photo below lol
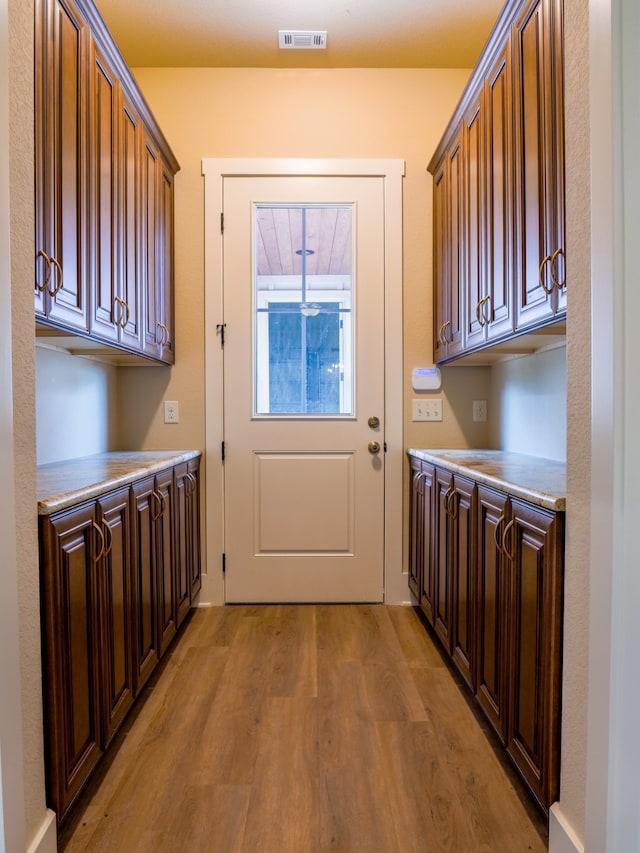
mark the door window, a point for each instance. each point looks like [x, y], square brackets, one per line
[303, 310]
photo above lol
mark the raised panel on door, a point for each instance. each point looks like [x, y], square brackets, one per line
[492, 684]
[151, 327]
[117, 640]
[462, 507]
[533, 541]
[440, 262]
[474, 277]
[165, 284]
[182, 544]
[556, 152]
[452, 334]
[145, 623]
[441, 545]
[72, 652]
[165, 564]
[427, 589]
[193, 528]
[497, 310]
[129, 264]
[43, 186]
[416, 526]
[536, 296]
[106, 312]
[64, 167]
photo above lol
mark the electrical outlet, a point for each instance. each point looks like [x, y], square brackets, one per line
[427, 410]
[479, 410]
[171, 412]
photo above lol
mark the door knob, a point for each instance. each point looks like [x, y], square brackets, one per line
[374, 447]
[374, 422]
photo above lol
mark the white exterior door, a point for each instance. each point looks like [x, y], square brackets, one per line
[304, 469]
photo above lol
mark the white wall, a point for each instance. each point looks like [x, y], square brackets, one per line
[528, 404]
[76, 406]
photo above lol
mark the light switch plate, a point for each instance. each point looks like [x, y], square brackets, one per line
[427, 409]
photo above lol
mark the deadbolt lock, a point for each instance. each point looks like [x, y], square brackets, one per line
[374, 422]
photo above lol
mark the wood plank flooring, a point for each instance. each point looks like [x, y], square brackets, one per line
[304, 729]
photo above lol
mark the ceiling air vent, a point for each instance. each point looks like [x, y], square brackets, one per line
[302, 39]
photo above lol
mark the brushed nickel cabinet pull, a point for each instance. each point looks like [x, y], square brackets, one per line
[58, 286]
[545, 261]
[505, 550]
[45, 284]
[101, 551]
[559, 253]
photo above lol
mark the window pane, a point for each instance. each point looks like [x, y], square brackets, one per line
[303, 338]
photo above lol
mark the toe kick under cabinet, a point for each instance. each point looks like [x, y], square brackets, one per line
[119, 567]
[486, 553]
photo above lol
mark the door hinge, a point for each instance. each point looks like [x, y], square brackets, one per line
[224, 562]
[220, 329]
[222, 451]
[221, 222]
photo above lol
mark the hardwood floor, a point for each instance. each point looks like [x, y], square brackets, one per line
[305, 729]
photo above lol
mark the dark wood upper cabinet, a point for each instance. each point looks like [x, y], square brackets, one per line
[498, 190]
[61, 169]
[97, 218]
[539, 165]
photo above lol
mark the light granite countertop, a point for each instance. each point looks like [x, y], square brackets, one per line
[62, 484]
[540, 481]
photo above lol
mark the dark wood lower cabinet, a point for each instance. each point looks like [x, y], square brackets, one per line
[109, 580]
[494, 566]
[70, 547]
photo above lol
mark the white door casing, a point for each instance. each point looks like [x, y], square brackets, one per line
[390, 172]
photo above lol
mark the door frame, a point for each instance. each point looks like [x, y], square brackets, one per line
[215, 170]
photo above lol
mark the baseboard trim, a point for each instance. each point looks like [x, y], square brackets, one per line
[562, 837]
[46, 839]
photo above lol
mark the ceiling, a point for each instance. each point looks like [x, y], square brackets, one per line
[244, 33]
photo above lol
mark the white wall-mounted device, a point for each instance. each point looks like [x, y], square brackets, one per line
[426, 378]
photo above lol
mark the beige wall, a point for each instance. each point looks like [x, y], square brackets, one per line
[576, 597]
[22, 253]
[298, 113]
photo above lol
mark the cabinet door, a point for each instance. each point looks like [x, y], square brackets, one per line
[441, 551]
[145, 506]
[165, 280]
[474, 279]
[129, 271]
[416, 526]
[491, 633]
[165, 561]
[193, 527]
[106, 312]
[116, 607]
[496, 311]
[448, 252]
[539, 147]
[533, 541]
[152, 333]
[427, 572]
[62, 75]
[70, 546]
[182, 546]
[462, 554]
[440, 262]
